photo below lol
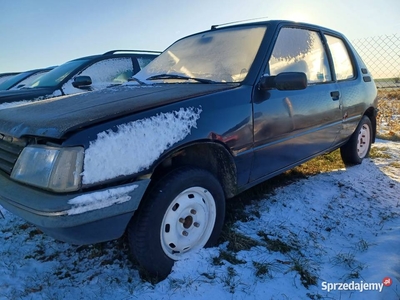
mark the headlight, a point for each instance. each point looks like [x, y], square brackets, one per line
[51, 168]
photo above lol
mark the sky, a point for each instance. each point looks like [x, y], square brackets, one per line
[44, 33]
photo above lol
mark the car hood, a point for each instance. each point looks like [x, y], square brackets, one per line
[55, 117]
[24, 94]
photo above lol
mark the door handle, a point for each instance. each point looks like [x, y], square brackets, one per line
[335, 95]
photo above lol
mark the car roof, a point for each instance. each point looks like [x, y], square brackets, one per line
[38, 70]
[119, 53]
[9, 74]
[274, 23]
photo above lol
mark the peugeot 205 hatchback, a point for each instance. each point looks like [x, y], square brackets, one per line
[216, 113]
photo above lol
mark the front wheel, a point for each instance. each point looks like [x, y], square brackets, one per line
[182, 213]
[358, 146]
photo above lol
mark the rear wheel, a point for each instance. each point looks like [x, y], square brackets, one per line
[358, 146]
[182, 213]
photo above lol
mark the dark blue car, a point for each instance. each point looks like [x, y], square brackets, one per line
[83, 74]
[215, 114]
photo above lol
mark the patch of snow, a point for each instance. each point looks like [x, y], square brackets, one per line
[14, 104]
[51, 97]
[136, 145]
[56, 93]
[98, 200]
[389, 165]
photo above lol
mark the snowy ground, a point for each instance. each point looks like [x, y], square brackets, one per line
[338, 227]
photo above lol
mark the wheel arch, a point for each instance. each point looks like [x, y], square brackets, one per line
[211, 156]
[371, 114]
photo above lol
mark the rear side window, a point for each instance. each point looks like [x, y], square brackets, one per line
[341, 58]
[300, 50]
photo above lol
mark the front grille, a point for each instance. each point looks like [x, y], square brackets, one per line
[9, 152]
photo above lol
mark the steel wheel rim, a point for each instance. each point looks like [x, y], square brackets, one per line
[363, 141]
[188, 222]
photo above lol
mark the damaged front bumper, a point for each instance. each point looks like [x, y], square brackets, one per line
[76, 218]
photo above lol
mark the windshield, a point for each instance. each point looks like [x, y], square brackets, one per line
[13, 80]
[222, 55]
[55, 76]
[28, 81]
[6, 77]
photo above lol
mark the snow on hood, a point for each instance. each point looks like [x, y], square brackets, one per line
[136, 145]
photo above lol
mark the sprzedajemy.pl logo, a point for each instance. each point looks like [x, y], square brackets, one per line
[356, 286]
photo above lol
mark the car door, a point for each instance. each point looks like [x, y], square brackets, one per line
[352, 92]
[291, 126]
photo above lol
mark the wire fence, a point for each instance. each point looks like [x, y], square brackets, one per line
[382, 57]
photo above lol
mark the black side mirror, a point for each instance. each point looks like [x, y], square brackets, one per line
[286, 81]
[82, 81]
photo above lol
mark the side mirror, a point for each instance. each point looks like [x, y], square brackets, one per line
[82, 81]
[286, 81]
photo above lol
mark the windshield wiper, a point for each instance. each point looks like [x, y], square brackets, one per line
[175, 76]
[137, 80]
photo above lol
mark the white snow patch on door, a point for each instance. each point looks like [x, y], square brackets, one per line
[136, 145]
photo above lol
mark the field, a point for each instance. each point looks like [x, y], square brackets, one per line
[389, 114]
[285, 239]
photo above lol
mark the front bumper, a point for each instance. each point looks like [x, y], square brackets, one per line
[78, 218]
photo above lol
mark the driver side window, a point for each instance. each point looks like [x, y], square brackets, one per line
[109, 71]
[103, 74]
[300, 50]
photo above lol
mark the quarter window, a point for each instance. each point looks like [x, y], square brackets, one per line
[341, 58]
[300, 50]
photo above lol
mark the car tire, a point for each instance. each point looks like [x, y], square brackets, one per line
[183, 212]
[358, 146]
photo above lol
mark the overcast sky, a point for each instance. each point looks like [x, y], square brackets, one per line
[41, 33]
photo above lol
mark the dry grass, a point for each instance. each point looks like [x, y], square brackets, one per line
[379, 153]
[395, 164]
[389, 114]
[321, 164]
